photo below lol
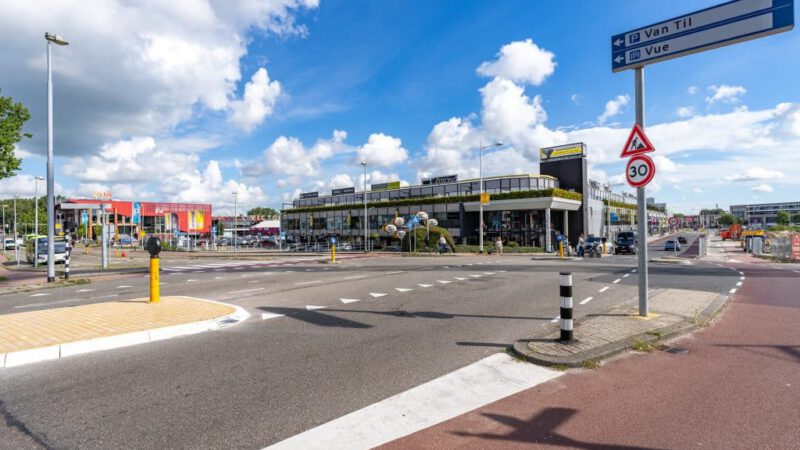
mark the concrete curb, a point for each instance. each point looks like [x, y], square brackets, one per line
[521, 349]
[14, 359]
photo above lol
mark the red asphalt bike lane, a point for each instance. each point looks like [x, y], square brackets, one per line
[737, 388]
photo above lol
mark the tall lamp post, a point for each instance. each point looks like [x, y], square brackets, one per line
[51, 202]
[4, 229]
[16, 246]
[36, 221]
[366, 218]
[235, 220]
[481, 148]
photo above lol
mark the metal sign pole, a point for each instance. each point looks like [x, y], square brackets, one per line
[641, 202]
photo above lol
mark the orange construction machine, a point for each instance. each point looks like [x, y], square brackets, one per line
[733, 232]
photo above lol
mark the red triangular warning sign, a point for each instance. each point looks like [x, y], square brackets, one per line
[637, 143]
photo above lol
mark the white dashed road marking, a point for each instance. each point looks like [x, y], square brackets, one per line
[475, 276]
[738, 284]
[395, 272]
[355, 277]
[39, 295]
[460, 279]
[733, 291]
[246, 290]
[605, 288]
[303, 283]
[348, 300]
[378, 294]
[616, 281]
[633, 271]
[313, 307]
[88, 290]
[265, 316]
[556, 319]
[587, 300]
[488, 273]
[124, 287]
[190, 281]
[424, 285]
[626, 275]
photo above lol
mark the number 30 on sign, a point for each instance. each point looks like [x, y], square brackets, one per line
[640, 170]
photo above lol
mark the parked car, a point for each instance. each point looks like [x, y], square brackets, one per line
[682, 240]
[9, 243]
[672, 245]
[344, 246]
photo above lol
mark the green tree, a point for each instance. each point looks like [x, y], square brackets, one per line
[12, 117]
[782, 218]
[796, 218]
[726, 219]
[268, 213]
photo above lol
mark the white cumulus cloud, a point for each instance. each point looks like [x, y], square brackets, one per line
[521, 62]
[685, 111]
[762, 188]
[258, 101]
[755, 174]
[613, 107]
[382, 150]
[725, 93]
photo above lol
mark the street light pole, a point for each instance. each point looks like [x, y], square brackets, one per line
[4, 229]
[51, 202]
[235, 220]
[36, 221]
[16, 246]
[481, 148]
[366, 217]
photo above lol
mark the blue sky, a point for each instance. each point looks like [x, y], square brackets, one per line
[193, 100]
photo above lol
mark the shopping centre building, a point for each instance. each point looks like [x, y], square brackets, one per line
[527, 209]
[134, 218]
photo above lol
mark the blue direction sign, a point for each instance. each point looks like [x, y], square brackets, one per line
[709, 28]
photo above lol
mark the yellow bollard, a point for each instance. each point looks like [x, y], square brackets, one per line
[604, 248]
[333, 254]
[154, 291]
[561, 248]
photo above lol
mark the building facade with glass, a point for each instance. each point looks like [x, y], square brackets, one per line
[526, 209]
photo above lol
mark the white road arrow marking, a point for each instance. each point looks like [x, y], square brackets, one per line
[424, 285]
[313, 307]
[443, 281]
[403, 289]
[377, 294]
[348, 300]
[265, 316]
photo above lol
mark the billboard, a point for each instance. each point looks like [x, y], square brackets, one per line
[561, 152]
[309, 195]
[385, 186]
[440, 180]
[136, 216]
[342, 191]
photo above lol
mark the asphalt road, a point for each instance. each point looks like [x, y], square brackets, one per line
[737, 387]
[269, 378]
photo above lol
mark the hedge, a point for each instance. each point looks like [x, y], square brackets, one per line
[623, 205]
[553, 192]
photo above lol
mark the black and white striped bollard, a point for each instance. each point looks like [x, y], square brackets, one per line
[66, 262]
[565, 279]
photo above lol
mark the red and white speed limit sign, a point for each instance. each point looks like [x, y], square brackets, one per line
[674, 221]
[640, 170]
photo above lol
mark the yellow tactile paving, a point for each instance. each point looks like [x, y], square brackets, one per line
[27, 330]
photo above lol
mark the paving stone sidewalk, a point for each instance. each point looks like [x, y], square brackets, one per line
[672, 312]
[53, 333]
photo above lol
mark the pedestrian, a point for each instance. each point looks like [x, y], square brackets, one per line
[581, 246]
[442, 244]
[499, 245]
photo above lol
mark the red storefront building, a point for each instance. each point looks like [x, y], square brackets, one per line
[132, 218]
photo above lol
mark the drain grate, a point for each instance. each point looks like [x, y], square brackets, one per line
[676, 350]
